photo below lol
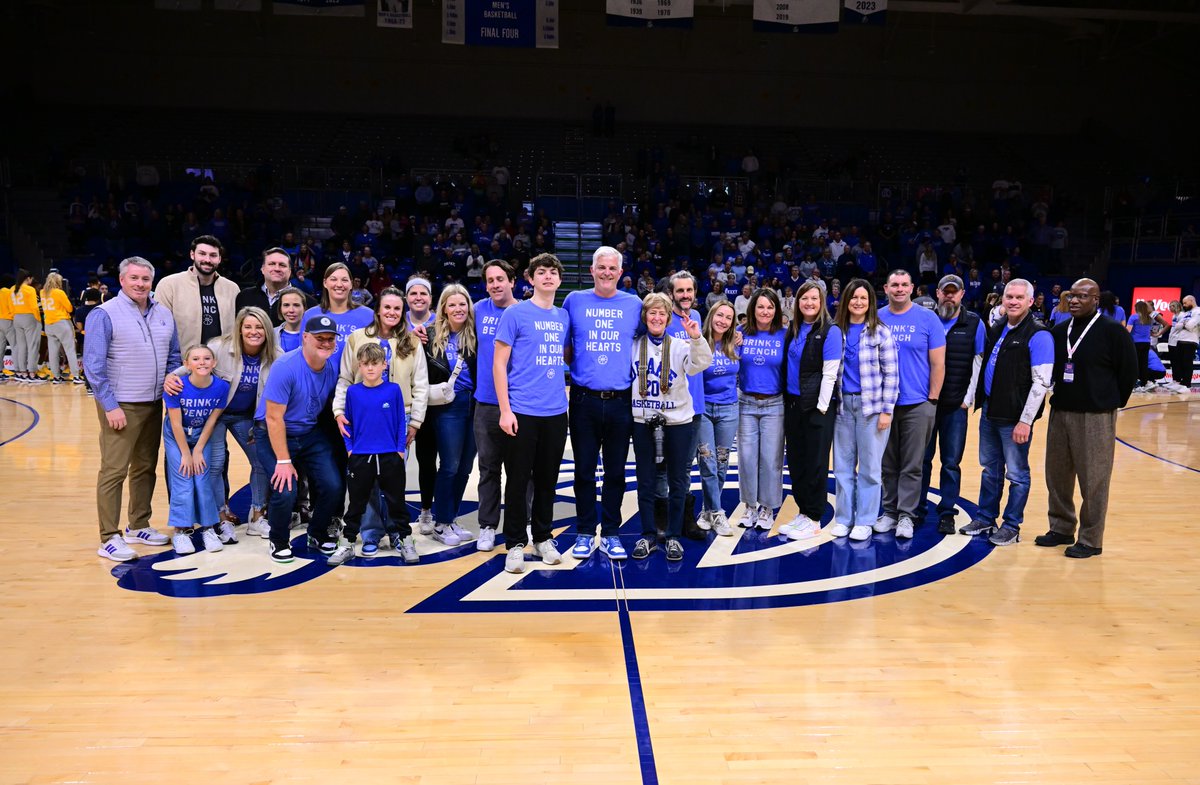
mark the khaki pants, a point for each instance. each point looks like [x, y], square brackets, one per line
[1080, 445]
[130, 452]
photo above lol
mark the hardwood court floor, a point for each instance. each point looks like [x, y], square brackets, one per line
[1021, 667]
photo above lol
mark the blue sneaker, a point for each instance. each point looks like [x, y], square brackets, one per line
[583, 546]
[613, 549]
[370, 549]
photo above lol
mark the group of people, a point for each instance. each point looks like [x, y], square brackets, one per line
[327, 399]
[26, 312]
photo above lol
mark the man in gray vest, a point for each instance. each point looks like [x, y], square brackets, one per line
[131, 345]
[964, 357]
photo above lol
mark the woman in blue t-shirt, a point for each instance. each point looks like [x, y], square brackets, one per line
[719, 420]
[1142, 326]
[870, 386]
[348, 316]
[192, 413]
[760, 411]
[243, 358]
[814, 358]
[450, 355]
[290, 307]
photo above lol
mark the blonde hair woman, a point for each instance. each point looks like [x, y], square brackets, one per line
[60, 330]
[451, 356]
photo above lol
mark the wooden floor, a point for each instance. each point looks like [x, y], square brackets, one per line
[1025, 667]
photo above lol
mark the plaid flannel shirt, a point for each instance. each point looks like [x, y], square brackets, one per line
[878, 371]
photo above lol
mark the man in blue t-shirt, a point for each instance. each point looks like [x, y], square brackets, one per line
[1018, 368]
[921, 344]
[287, 435]
[600, 346]
[528, 368]
[498, 277]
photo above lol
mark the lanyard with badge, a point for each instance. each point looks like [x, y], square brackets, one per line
[1069, 369]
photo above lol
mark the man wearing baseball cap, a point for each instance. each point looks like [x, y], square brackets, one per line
[288, 438]
[964, 357]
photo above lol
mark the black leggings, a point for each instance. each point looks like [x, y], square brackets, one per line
[1143, 355]
[427, 460]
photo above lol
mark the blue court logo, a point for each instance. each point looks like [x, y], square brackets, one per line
[752, 569]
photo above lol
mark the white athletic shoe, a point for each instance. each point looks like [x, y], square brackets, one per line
[860, 533]
[116, 549]
[765, 519]
[487, 539]
[515, 560]
[548, 550]
[800, 528]
[836, 529]
[720, 524]
[425, 522]
[704, 520]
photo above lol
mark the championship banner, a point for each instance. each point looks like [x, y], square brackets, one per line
[796, 16]
[864, 12]
[394, 13]
[512, 23]
[650, 13]
[320, 7]
[237, 5]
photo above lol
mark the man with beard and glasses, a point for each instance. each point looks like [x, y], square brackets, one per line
[202, 303]
[964, 357]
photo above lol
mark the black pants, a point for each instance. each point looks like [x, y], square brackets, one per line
[1143, 355]
[809, 436]
[362, 472]
[426, 442]
[533, 455]
[1183, 360]
[337, 446]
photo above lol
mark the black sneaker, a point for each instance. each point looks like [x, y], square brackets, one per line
[946, 525]
[644, 548]
[1081, 551]
[281, 553]
[1052, 539]
[674, 549]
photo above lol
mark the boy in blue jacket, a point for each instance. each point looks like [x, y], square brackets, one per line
[375, 436]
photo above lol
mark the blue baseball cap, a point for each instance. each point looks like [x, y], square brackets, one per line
[320, 324]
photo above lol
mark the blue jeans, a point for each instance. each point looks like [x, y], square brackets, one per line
[950, 439]
[191, 499]
[456, 455]
[760, 450]
[600, 430]
[678, 451]
[718, 426]
[858, 446]
[241, 426]
[996, 444]
[311, 454]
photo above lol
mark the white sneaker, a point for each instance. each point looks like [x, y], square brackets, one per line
[720, 524]
[836, 529]
[116, 549]
[765, 519]
[549, 553]
[515, 560]
[885, 523]
[860, 533]
[258, 527]
[800, 528]
[487, 540]
[704, 520]
[445, 535]
[462, 534]
[145, 536]
[343, 554]
[749, 517]
[226, 533]
[904, 529]
[425, 522]
[212, 540]
[182, 542]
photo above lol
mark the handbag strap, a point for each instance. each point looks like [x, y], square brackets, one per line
[458, 364]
